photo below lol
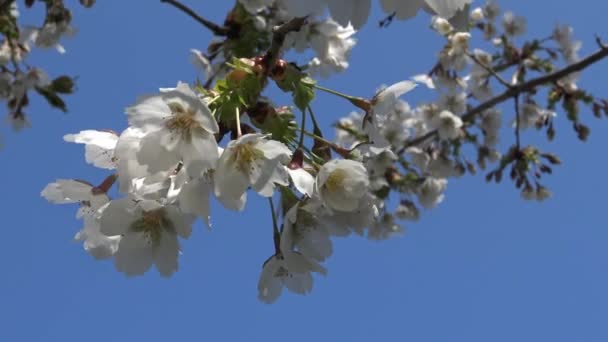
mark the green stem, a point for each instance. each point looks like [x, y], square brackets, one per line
[275, 228]
[333, 92]
[238, 123]
[303, 126]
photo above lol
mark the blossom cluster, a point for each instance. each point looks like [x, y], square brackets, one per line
[224, 139]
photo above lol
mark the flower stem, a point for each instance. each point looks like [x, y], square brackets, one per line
[334, 92]
[275, 228]
[302, 127]
[239, 133]
[358, 102]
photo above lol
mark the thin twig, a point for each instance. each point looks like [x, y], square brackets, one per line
[211, 26]
[490, 70]
[517, 122]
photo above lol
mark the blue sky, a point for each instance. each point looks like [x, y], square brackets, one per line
[483, 266]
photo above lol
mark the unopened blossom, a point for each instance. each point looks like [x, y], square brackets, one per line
[341, 184]
[253, 161]
[430, 192]
[477, 14]
[99, 147]
[441, 25]
[149, 233]
[178, 127]
[513, 25]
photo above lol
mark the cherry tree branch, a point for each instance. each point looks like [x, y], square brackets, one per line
[279, 33]
[211, 26]
[516, 90]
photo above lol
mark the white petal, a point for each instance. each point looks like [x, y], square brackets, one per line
[230, 184]
[182, 223]
[269, 287]
[194, 198]
[148, 112]
[134, 255]
[117, 217]
[200, 153]
[166, 254]
[303, 181]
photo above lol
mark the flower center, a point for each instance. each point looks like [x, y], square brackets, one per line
[151, 224]
[335, 180]
[245, 155]
[182, 120]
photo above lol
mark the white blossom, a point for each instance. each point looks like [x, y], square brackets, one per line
[251, 160]
[149, 233]
[448, 125]
[333, 44]
[287, 269]
[178, 127]
[477, 14]
[341, 184]
[306, 233]
[430, 192]
[441, 25]
[65, 191]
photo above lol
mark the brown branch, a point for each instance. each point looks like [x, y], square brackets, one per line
[211, 26]
[279, 33]
[518, 89]
[533, 83]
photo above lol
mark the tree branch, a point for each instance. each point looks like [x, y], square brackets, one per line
[211, 26]
[533, 83]
[278, 38]
[518, 89]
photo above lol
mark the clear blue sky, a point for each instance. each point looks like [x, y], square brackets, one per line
[484, 266]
